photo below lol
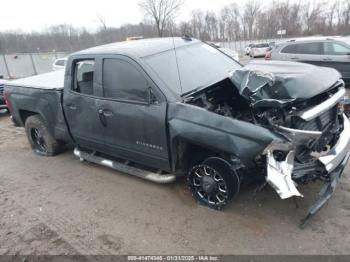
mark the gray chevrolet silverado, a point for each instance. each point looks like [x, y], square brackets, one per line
[162, 108]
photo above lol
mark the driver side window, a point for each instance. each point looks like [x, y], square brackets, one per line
[123, 81]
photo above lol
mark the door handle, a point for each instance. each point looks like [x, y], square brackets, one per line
[105, 112]
[295, 58]
[102, 117]
[71, 106]
[327, 59]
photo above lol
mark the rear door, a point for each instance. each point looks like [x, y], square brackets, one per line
[337, 55]
[80, 103]
[134, 113]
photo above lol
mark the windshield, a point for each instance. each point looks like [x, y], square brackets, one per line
[191, 67]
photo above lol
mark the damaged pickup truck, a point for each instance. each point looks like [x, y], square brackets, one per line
[162, 108]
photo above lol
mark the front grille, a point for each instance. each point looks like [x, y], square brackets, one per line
[329, 123]
[319, 123]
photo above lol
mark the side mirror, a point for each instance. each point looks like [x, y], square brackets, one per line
[1, 77]
[152, 99]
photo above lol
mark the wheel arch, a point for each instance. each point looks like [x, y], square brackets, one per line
[24, 114]
[186, 153]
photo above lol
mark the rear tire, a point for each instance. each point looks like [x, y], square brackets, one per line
[39, 137]
[213, 183]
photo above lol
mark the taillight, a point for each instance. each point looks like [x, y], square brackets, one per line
[6, 100]
[268, 55]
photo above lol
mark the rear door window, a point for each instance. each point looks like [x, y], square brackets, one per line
[290, 49]
[61, 62]
[84, 76]
[314, 48]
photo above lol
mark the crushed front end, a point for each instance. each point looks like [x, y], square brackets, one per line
[318, 149]
[316, 130]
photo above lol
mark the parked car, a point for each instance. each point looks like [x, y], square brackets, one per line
[259, 50]
[2, 100]
[230, 53]
[329, 52]
[59, 64]
[202, 116]
[248, 48]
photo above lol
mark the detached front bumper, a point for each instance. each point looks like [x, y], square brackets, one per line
[279, 173]
[336, 155]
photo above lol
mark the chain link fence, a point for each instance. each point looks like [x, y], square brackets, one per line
[20, 65]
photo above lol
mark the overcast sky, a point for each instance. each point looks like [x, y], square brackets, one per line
[29, 15]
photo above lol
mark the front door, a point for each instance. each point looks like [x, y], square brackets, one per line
[337, 56]
[133, 113]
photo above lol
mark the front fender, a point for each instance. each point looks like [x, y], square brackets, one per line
[220, 133]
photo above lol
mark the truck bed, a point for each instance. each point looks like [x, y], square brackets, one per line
[52, 80]
[41, 94]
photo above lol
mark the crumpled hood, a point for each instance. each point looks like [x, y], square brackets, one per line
[275, 83]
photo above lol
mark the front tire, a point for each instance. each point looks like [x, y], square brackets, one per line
[40, 139]
[213, 183]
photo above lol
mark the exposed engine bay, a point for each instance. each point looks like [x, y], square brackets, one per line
[224, 99]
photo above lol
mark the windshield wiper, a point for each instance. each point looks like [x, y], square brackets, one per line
[191, 91]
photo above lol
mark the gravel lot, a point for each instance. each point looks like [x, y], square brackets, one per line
[59, 205]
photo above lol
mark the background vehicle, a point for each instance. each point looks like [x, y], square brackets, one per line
[259, 50]
[2, 100]
[59, 64]
[248, 48]
[329, 52]
[230, 52]
[196, 117]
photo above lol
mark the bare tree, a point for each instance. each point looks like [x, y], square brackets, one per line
[161, 11]
[102, 21]
[230, 26]
[344, 17]
[251, 11]
[197, 22]
[313, 15]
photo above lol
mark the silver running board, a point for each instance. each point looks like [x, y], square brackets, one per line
[154, 177]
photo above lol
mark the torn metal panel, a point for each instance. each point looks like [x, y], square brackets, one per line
[279, 175]
[275, 83]
[298, 136]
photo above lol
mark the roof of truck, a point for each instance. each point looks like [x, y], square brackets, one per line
[140, 48]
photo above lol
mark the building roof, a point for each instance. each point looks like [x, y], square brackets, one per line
[140, 48]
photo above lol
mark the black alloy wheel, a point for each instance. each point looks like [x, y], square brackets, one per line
[38, 139]
[212, 185]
